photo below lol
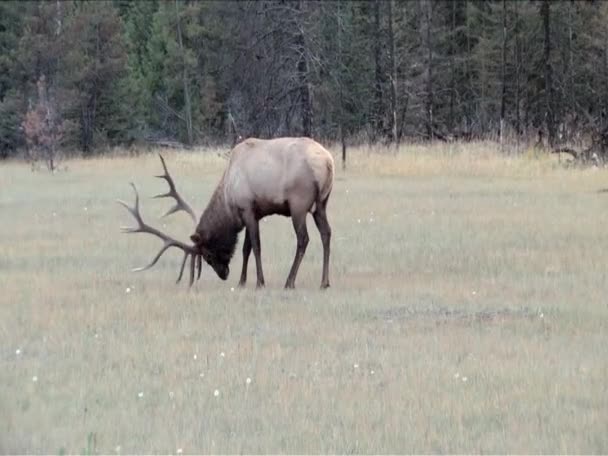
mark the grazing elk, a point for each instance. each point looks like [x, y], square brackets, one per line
[286, 176]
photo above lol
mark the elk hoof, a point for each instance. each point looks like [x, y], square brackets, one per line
[324, 286]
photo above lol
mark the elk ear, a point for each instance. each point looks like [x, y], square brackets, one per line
[196, 238]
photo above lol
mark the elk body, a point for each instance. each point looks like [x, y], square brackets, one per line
[284, 176]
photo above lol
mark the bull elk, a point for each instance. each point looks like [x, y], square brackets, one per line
[285, 176]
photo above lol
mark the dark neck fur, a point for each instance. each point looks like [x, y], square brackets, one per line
[218, 227]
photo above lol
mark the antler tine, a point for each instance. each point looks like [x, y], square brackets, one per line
[153, 262]
[180, 204]
[199, 265]
[134, 212]
[142, 227]
[192, 264]
[181, 269]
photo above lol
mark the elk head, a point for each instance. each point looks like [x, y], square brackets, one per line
[194, 252]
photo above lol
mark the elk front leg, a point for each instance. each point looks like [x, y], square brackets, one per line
[253, 230]
[299, 225]
[246, 253]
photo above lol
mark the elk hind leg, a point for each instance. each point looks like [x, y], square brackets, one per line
[320, 217]
[299, 225]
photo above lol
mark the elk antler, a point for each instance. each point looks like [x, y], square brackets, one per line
[142, 227]
[180, 204]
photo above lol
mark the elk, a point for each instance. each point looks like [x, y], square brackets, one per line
[284, 176]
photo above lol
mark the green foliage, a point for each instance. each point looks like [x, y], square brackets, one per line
[11, 14]
[94, 66]
[11, 112]
[119, 71]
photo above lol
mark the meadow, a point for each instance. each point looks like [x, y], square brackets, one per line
[468, 313]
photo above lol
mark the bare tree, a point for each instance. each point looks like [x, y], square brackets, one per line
[43, 128]
[393, 72]
[378, 79]
[303, 72]
[187, 102]
[503, 95]
[545, 12]
[427, 20]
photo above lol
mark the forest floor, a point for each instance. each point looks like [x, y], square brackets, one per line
[468, 313]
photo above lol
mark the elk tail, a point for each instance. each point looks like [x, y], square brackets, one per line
[325, 191]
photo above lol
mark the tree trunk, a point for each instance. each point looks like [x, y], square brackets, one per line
[452, 69]
[503, 97]
[303, 74]
[571, 105]
[470, 94]
[187, 102]
[428, 19]
[545, 12]
[377, 113]
[341, 86]
[517, 74]
[393, 74]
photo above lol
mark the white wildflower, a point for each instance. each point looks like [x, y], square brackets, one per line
[248, 381]
[456, 375]
[128, 290]
[223, 355]
[356, 366]
[195, 356]
[179, 451]
[464, 379]
[216, 393]
[34, 378]
[140, 394]
[18, 351]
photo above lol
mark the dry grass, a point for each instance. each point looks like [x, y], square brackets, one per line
[467, 314]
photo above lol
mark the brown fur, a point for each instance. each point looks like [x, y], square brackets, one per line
[286, 176]
[219, 229]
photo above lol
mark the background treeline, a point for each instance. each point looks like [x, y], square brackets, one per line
[87, 75]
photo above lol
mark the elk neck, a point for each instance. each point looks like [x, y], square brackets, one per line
[218, 226]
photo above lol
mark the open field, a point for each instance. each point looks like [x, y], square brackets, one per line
[468, 313]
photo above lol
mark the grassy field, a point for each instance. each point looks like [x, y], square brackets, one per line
[468, 313]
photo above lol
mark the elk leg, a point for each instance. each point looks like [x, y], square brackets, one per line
[246, 253]
[253, 229]
[320, 217]
[299, 225]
